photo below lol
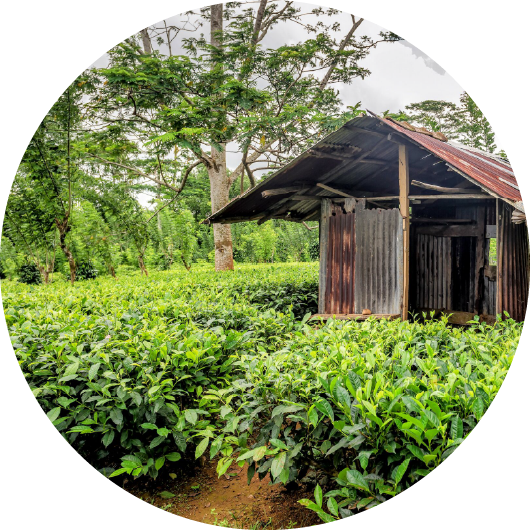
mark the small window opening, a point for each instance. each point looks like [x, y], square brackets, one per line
[492, 254]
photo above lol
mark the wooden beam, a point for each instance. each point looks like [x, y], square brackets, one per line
[354, 316]
[275, 210]
[434, 197]
[480, 257]
[284, 191]
[308, 197]
[323, 235]
[419, 184]
[442, 220]
[404, 208]
[458, 230]
[334, 190]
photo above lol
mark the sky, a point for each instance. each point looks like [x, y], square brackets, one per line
[400, 73]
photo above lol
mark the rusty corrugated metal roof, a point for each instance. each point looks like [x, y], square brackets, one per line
[488, 172]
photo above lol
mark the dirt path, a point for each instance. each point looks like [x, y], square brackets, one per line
[228, 501]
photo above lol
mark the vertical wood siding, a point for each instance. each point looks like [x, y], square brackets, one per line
[512, 268]
[340, 272]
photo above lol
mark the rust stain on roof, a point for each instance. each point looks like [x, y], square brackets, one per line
[486, 171]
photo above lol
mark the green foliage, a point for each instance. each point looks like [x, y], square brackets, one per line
[86, 271]
[375, 405]
[29, 273]
[464, 122]
[121, 370]
[141, 374]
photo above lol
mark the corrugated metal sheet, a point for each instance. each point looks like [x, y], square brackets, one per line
[378, 260]
[377, 173]
[512, 265]
[491, 174]
[340, 272]
[433, 272]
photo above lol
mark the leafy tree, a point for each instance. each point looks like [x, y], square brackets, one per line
[184, 110]
[29, 224]
[464, 122]
[474, 129]
[441, 116]
[50, 166]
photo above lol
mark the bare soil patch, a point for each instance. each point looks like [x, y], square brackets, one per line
[228, 501]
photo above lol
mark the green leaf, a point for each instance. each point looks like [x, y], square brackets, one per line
[54, 413]
[285, 409]
[223, 465]
[326, 409]
[166, 495]
[478, 407]
[71, 369]
[278, 464]
[199, 450]
[313, 416]
[118, 472]
[116, 416]
[108, 437]
[333, 507]
[216, 446]
[256, 453]
[159, 462]
[173, 457]
[457, 428]
[191, 416]
[343, 397]
[356, 479]
[401, 470]
[318, 496]
[93, 371]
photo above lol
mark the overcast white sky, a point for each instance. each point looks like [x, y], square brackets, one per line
[401, 73]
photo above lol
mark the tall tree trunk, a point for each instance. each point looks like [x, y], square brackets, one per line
[219, 187]
[143, 268]
[64, 228]
[219, 184]
[68, 254]
[146, 41]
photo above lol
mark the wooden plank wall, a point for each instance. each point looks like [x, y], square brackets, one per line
[340, 273]
[512, 264]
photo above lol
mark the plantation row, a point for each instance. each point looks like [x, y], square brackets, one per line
[143, 372]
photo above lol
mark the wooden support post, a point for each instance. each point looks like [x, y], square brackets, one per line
[500, 269]
[404, 209]
[325, 214]
[480, 258]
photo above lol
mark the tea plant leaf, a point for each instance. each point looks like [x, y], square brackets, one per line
[401, 470]
[326, 409]
[278, 464]
[318, 496]
[457, 428]
[199, 450]
[166, 495]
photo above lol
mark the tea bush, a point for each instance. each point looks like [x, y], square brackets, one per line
[375, 406]
[145, 371]
[120, 367]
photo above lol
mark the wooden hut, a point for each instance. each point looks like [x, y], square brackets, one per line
[409, 222]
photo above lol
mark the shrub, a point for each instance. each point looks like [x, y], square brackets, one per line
[375, 406]
[121, 370]
[85, 271]
[29, 274]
